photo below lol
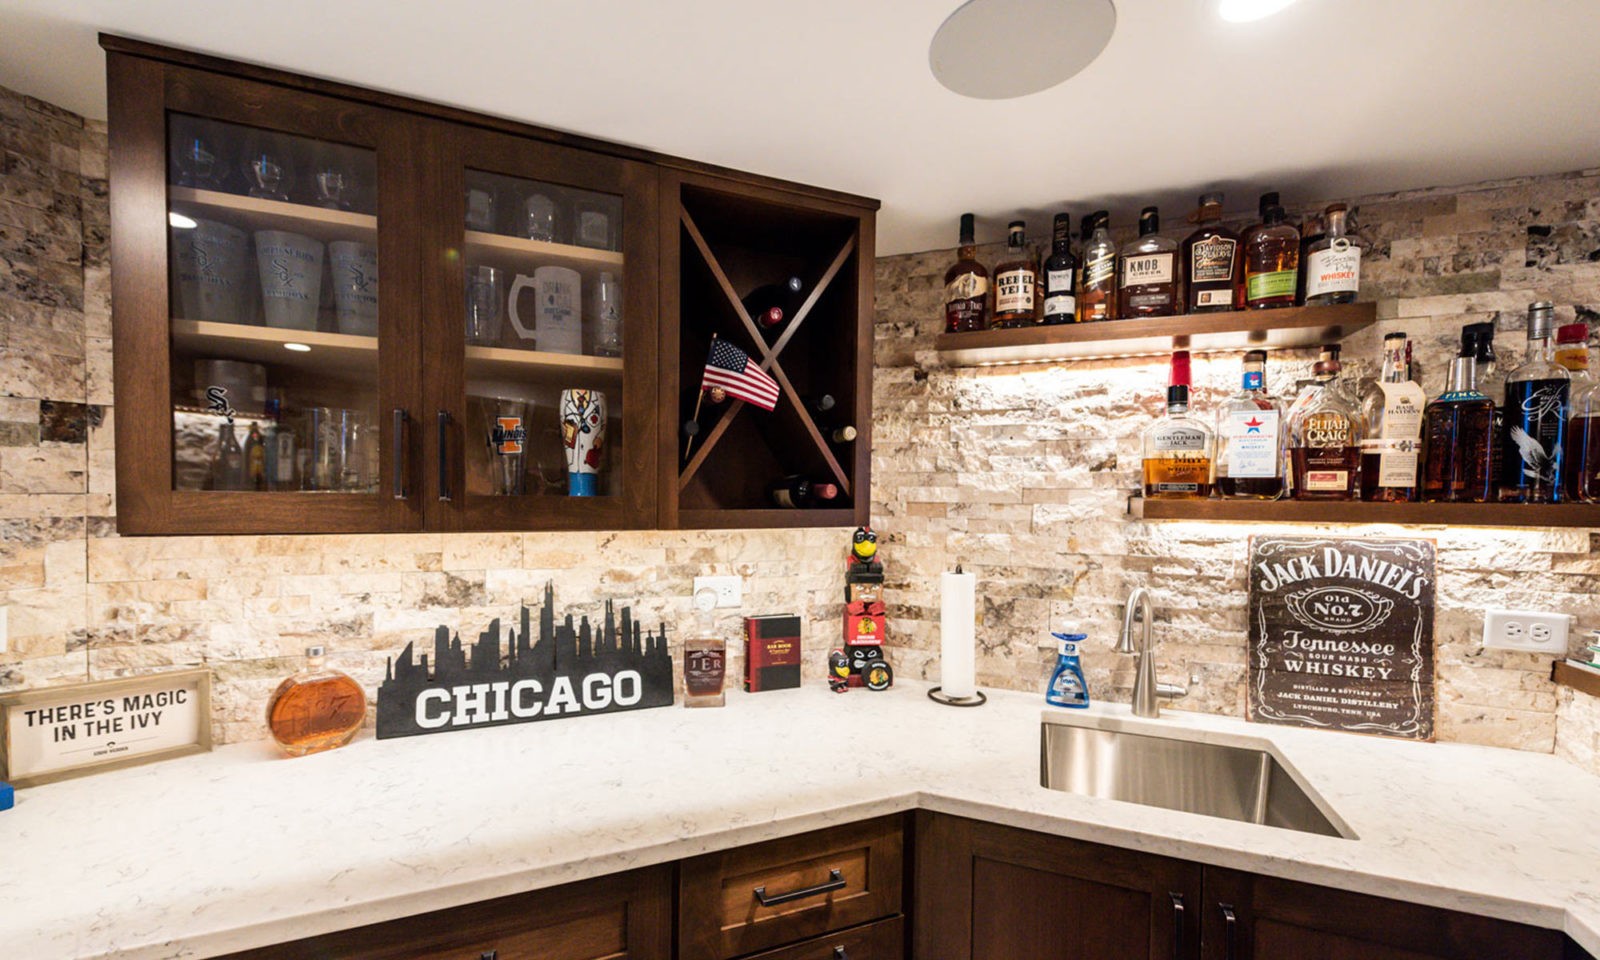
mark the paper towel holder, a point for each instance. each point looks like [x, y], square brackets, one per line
[937, 695]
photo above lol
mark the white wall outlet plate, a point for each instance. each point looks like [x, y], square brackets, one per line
[1530, 631]
[729, 590]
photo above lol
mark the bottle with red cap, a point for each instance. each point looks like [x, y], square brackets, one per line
[1178, 448]
[1580, 469]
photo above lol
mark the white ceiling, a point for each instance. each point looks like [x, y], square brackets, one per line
[1329, 98]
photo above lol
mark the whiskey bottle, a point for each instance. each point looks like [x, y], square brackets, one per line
[1266, 202]
[1312, 229]
[1393, 407]
[317, 709]
[1250, 438]
[1150, 284]
[1097, 294]
[1014, 281]
[1085, 229]
[227, 464]
[255, 458]
[966, 285]
[1060, 302]
[1212, 260]
[1457, 437]
[1271, 263]
[1580, 468]
[1325, 441]
[1333, 263]
[1489, 381]
[1537, 392]
[1178, 447]
[705, 656]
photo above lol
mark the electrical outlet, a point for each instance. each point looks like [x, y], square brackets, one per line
[1529, 631]
[729, 590]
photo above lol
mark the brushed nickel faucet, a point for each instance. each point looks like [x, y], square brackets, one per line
[1146, 689]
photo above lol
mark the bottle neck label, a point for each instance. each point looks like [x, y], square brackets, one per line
[1255, 380]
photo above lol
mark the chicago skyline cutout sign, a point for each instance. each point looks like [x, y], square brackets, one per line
[1341, 634]
[567, 671]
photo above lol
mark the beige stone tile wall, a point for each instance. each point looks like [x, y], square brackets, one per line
[1022, 474]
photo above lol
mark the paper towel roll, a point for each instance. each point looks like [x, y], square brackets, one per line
[957, 634]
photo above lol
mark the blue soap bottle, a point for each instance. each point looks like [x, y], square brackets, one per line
[1067, 687]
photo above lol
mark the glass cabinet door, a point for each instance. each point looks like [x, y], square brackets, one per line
[287, 380]
[548, 419]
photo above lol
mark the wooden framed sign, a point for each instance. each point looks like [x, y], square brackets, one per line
[58, 732]
[1341, 634]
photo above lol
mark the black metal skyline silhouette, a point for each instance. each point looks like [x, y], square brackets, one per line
[561, 651]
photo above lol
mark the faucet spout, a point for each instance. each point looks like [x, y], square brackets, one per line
[1145, 702]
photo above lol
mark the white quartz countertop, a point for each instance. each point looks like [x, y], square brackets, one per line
[239, 848]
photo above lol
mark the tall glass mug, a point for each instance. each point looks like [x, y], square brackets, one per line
[583, 434]
[541, 218]
[480, 210]
[355, 286]
[291, 278]
[486, 301]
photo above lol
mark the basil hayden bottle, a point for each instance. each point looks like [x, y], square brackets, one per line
[1535, 417]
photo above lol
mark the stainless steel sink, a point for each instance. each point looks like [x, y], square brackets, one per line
[1217, 780]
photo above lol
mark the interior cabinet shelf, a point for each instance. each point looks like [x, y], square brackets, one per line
[1285, 328]
[252, 213]
[491, 362]
[485, 246]
[1310, 511]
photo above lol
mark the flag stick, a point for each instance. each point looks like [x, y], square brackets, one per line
[699, 399]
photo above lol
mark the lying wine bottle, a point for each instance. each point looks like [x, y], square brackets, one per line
[820, 403]
[799, 493]
[843, 434]
[772, 303]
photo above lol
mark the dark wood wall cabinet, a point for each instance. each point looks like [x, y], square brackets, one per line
[337, 310]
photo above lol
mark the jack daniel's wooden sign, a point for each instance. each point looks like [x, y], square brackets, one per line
[1341, 634]
[568, 671]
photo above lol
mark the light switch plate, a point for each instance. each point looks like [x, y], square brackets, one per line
[729, 589]
[1530, 631]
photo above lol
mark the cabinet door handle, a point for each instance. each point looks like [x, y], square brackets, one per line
[1230, 931]
[835, 881]
[444, 455]
[839, 954]
[401, 448]
[1177, 924]
[489, 955]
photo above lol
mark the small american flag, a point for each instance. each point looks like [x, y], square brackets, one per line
[732, 369]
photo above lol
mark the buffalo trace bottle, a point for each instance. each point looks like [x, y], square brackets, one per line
[1150, 284]
[1325, 441]
[1178, 447]
[1393, 407]
[966, 285]
[1016, 281]
[1458, 437]
[1580, 467]
[1250, 438]
[1097, 292]
[1271, 263]
[1058, 275]
[1536, 417]
[317, 709]
[1212, 260]
[705, 656]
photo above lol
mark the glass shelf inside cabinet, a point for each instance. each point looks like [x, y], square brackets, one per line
[543, 331]
[274, 302]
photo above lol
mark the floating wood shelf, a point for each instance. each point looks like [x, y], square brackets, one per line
[251, 213]
[1576, 677]
[1311, 511]
[1285, 328]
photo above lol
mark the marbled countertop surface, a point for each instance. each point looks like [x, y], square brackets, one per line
[218, 852]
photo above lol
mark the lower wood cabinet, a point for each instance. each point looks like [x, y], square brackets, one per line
[626, 916]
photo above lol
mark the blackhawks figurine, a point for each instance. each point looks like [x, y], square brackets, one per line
[860, 663]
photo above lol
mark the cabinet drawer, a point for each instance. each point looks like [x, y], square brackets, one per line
[762, 896]
[884, 940]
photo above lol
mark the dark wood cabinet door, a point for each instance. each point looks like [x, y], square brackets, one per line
[626, 916]
[1250, 917]
[985, 891]
[541, 345]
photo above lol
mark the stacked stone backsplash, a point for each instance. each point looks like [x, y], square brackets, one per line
[1020, 473]
[1023, 473]
[82, 603]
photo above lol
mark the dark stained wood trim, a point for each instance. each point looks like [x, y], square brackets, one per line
[1577, 678]
[141, 48]
[863, 363]
[1322, 511]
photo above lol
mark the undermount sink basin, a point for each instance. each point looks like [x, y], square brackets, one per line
[1217, 780]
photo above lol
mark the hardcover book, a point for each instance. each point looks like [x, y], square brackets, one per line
[771, 652]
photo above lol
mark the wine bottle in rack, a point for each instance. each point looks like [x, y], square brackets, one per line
[820, 402]
[844, 434]
[797, 492]
[770, 304]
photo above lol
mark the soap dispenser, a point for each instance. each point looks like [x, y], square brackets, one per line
[1067, 686]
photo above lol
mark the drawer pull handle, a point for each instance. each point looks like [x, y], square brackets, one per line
[1177, 924]
[1230, 925]
[835, 882]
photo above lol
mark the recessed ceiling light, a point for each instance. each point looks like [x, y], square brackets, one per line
[297, 347]
[999, 49]
[181, 222]
[1243, 11]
